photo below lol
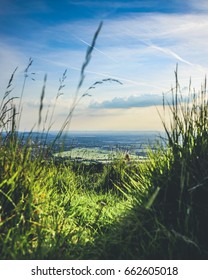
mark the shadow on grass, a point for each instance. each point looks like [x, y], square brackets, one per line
[138, 235]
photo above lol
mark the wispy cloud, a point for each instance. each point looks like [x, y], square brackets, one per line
[116, 4]
[146, 100]
[197, 5]
[10, 58]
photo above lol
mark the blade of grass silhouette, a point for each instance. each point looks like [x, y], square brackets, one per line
[88, 57]
[8, 90]
[59, 93]
[41, 100]
[111, 58]
[23, 89]
[81, 80]
[7, 105]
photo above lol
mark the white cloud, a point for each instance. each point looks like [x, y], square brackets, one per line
[145, 100]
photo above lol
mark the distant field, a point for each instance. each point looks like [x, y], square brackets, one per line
[95, 154]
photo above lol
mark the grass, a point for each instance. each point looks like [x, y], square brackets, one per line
[153, 209]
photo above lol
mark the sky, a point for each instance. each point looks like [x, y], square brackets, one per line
[131, 67]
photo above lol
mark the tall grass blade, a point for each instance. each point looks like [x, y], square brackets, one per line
[41, 100]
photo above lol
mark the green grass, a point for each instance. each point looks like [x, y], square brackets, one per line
[152, 209]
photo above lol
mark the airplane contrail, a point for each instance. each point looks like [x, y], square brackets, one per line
[178, 57]
[110, 57]
[171, 53]
[120, 78]
[166, 51]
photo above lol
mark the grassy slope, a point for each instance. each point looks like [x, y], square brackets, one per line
[73, 211]
[50, 211]
[138, 210]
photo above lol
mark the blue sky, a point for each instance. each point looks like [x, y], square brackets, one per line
[140, 43]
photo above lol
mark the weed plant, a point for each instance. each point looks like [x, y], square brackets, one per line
[177, 177]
